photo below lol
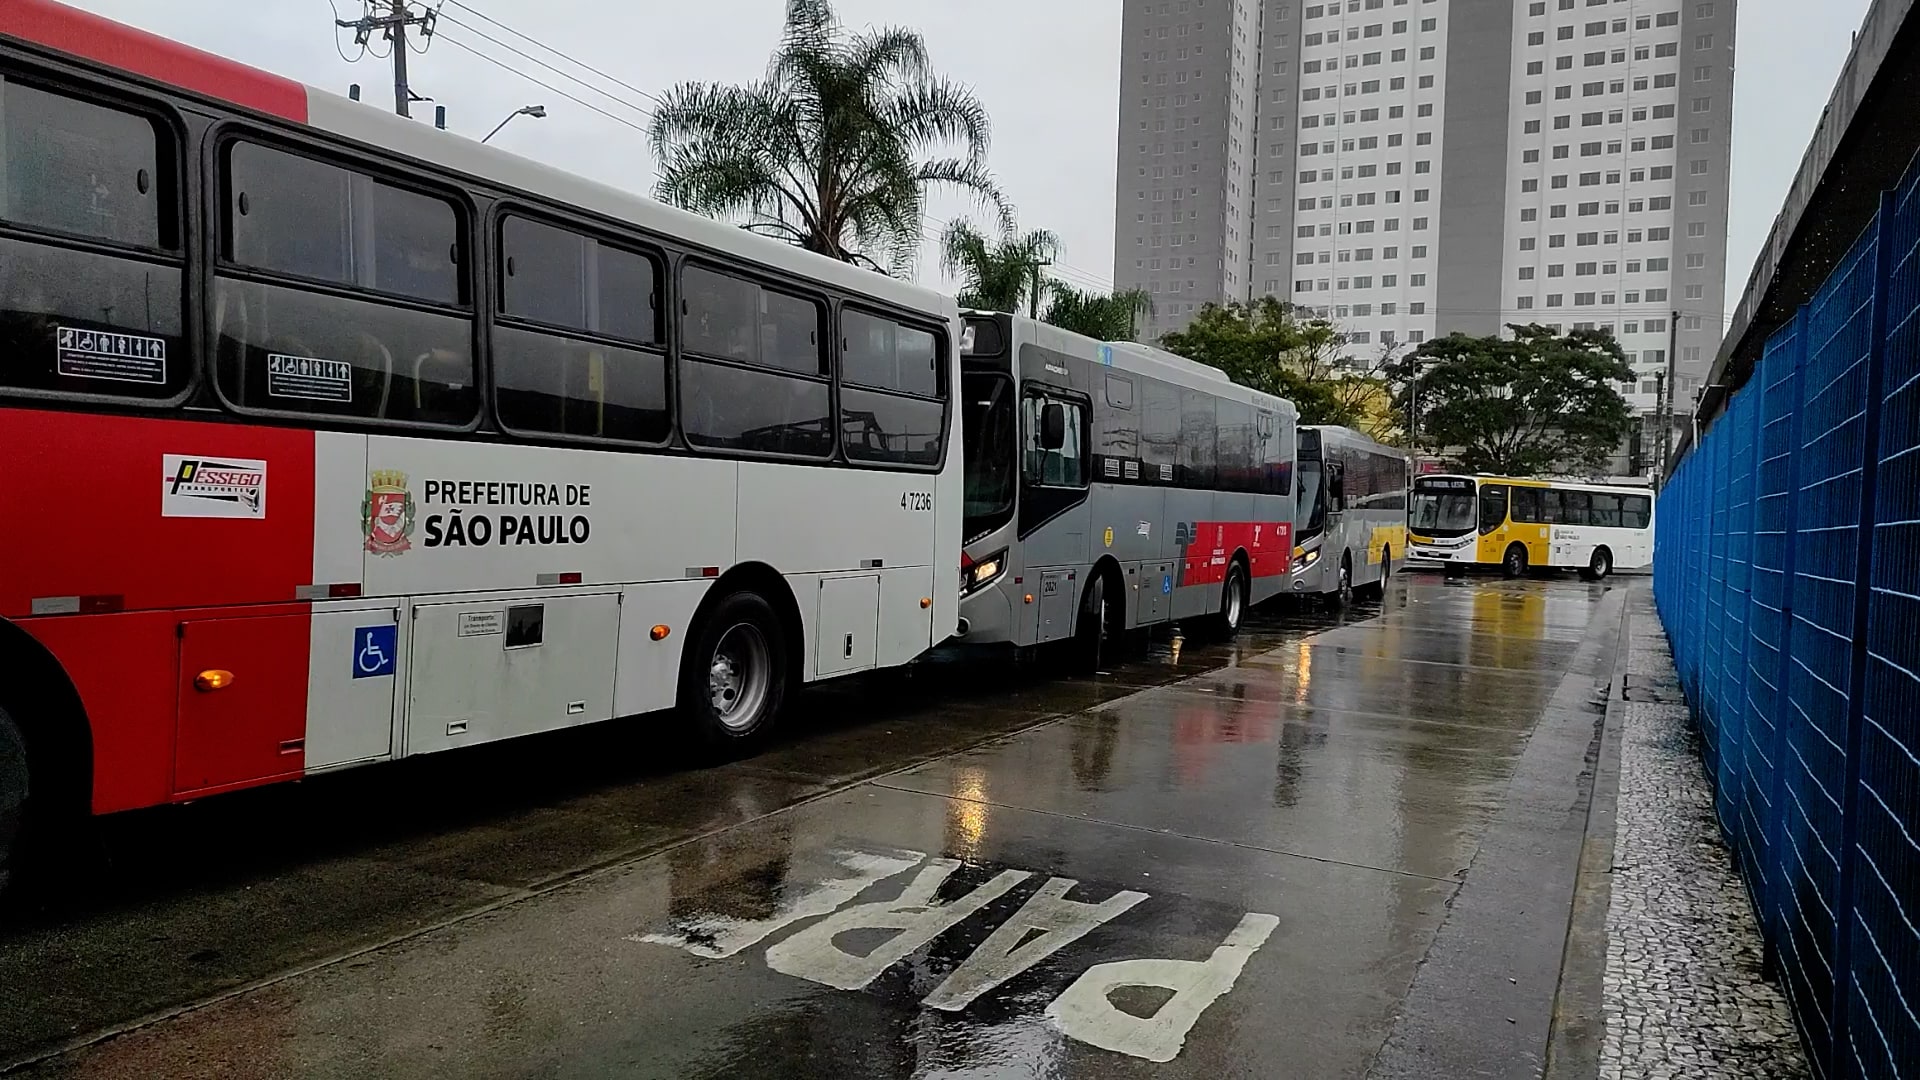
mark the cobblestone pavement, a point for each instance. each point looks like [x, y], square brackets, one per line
[1684, 996]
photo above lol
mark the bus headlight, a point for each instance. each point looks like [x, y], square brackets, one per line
[1301, 562]
[978, 572]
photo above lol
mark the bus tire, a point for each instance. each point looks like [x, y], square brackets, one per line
[1377, 589]
[1093, 629]
[15, 789]
[1234, 598]
[1341, 598]
[1600, 567]
[733, 679]
[1514, 563]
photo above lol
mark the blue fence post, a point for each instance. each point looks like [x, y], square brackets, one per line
[1783, 706]
[1857, 683]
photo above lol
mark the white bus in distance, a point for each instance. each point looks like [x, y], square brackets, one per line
[1351, 518]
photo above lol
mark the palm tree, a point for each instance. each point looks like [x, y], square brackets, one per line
[1102, 316]
[834, 149]
[997, 275]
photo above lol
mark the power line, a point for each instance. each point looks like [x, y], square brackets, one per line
[468, 8]
[576, 80]
[458, 44]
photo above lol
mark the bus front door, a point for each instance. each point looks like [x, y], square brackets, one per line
[1493, 523]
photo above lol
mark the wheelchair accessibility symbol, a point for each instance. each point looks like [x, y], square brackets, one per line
[373, 650]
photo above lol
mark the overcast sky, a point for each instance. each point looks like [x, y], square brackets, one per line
[1046, 70]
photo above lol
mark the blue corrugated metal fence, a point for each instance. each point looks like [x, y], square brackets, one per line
[1787, 573]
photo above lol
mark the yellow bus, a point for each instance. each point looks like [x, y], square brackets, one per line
[1516, 523]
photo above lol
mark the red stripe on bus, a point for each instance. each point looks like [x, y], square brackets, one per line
[92, 37]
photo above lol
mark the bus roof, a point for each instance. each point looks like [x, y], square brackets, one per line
[1335, 433]
[55, 26]
[1138, 359]
[1535, 481]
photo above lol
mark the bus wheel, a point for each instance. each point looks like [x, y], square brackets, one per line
[1515, 563]
[1600, 567]
[1090, 628]
[1233, 600]
[734, 676]
[14, 790]
[1342, 595]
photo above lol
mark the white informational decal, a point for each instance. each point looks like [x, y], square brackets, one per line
[91, 354]
[1086, 1012]
[309, 378]
[212, 487]
[480, 623]
[1145, 529]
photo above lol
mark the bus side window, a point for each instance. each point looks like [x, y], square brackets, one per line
[1551, 511]
[1637, 511]
[91, 284]
[1576, 508]
[891, 394]
[1062, 467]
[1493, 507]
[1606, 510]
[1526, 505]
[588, 363]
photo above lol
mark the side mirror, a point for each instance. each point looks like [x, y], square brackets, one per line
[1053, 426]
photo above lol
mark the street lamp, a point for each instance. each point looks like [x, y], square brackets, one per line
[535, 111]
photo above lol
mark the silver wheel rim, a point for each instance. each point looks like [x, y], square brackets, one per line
[739, 676]
[1233, 601]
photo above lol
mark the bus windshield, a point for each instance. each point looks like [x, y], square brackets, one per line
[1310, 512]
[1442, 508]
[987, 432]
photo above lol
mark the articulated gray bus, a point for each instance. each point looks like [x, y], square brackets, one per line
[1112, 486]
[1350, 518]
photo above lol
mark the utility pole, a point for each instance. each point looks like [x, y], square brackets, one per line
[393, 27]
[1661, 403]
[1033, 296]
[1673, 357]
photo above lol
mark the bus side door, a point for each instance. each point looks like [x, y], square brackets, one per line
[1494, 529]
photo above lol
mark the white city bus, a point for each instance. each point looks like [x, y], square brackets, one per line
[1113, 486]
[352, 440]
[1351, 515]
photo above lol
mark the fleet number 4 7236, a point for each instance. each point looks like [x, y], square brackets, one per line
[916, 500]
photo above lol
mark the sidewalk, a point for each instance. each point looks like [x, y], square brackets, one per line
[1684, 996]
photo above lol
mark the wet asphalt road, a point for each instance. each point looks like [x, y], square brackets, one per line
[1340, 846]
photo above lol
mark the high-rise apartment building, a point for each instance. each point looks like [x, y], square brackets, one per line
[1414, 167]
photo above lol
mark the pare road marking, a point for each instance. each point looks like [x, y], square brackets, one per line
[1046, 923]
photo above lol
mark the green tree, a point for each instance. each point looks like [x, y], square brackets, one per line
[1520, 406]
[997, 275]
[834, 149]
[1265, 345]
[1101, 316]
